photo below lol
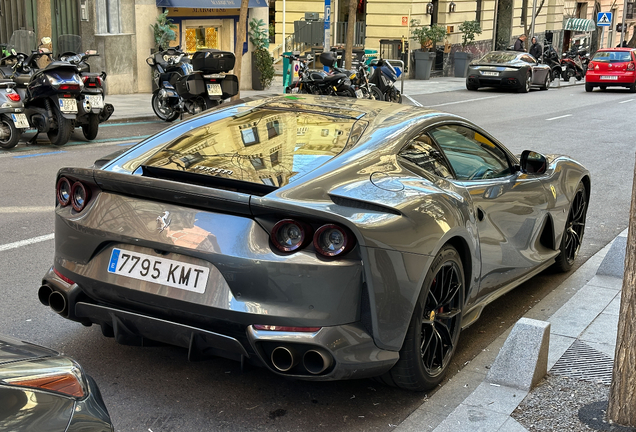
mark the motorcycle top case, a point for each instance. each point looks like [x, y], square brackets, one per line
[213, 61]
[328, 58]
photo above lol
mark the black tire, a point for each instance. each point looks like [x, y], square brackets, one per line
[61, 133]
[554, 74]
[546, 82]
[572, 237]
[632, 88]
[472, 87]
[589, 87]
[376, 93]
[91, 128]
[7, 127]
[568, 73]
[603, 87]
[525, 86]
[434, 329]
[163, 111]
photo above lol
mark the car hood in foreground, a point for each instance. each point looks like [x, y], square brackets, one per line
[14, 350]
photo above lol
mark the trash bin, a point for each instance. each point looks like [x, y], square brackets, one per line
[424, 61]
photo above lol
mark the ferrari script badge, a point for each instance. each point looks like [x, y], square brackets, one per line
[163, 222]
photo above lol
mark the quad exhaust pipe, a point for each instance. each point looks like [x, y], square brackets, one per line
[314, 361]
[54, 299]
[284, 358]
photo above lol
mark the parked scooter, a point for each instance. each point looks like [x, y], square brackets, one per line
[319, 82]
[92, 109]
[384, 77]
[359, 77]
[13, 121]
[190, 86]
[50, 94]
[573, 65]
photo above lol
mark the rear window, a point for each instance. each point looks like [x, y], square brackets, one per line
[498, 57]
[612, 56]
[264, 146]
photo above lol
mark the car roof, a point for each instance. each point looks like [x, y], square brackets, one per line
[616, 49]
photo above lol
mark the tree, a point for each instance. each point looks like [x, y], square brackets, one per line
[622, 398]
[524, 17]
[240, 40]
[351, 26]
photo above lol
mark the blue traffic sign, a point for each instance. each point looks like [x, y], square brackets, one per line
[604, 19]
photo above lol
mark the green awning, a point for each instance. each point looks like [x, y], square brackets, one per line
[579, 24]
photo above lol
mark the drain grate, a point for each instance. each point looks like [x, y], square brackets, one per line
[585, 363]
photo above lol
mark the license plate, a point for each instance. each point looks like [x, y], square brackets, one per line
[68, 105]
[20, 121]
[176, 274]
[490, 73]
[96, 101]
[214, 89]
[358, 93]
[609, 77]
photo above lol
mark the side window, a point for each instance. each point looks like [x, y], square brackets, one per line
[472, 155]
[423, 152]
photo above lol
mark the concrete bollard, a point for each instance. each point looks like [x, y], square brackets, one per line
[523, 359]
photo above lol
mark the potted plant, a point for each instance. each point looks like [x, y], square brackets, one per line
[469, 29]
[262, 62]
[427, 37]
[163, 31]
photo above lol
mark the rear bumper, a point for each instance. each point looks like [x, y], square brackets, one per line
[505, 81]
[349, 348]
[623, 79]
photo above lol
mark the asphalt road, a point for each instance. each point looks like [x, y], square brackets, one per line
[157, 389]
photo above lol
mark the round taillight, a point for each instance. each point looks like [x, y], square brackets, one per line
[331, 240]
[63, 191]
[289, 235]
[79, 196]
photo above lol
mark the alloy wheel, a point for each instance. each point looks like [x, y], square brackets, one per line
[442, 319]
[575, 226]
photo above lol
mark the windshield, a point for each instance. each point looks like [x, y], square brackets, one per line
[612, 56]
[23, 41]
[265, 145]
[68, 43]
[498, 57]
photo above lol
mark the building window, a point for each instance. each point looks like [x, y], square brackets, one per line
[257, 163]
[107, 13]
[249, 136]
[273, 129]
[274, 158]
[478, 12]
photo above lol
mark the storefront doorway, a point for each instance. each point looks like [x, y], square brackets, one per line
[201, 34]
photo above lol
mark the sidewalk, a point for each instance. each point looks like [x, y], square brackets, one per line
[586, 322]
[137, 106]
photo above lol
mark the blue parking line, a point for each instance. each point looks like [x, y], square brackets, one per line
[130, 123]
[38, 154]
[126, 144]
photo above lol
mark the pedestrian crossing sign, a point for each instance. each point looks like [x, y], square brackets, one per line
[604, 19]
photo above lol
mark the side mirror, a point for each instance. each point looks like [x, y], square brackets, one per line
[45, 40]
[150, 61]
[533, 163]
[91, 52]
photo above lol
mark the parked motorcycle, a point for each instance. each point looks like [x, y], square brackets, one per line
[13, 121]
[192, 86]
[92, 109]
[319, 82]
[551, 58]
[384, 77]
[359, 77]
[573, 66]
[50, 94]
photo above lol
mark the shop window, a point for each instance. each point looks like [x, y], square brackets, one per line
[273, 129]
[249, 136]
[108, 17]
[201, 37]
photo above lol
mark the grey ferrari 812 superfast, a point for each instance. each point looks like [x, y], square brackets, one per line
[321, 238]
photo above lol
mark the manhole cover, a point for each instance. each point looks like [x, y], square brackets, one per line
[585, 363]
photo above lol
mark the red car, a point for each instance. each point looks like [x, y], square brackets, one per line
[612, 67]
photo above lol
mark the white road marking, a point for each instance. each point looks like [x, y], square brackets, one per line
[559, 117]
[628, 100]
[463, 101]
[26, 242]
[41, 209]
[416, 103]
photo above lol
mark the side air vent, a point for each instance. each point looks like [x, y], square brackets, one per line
[348, 202]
